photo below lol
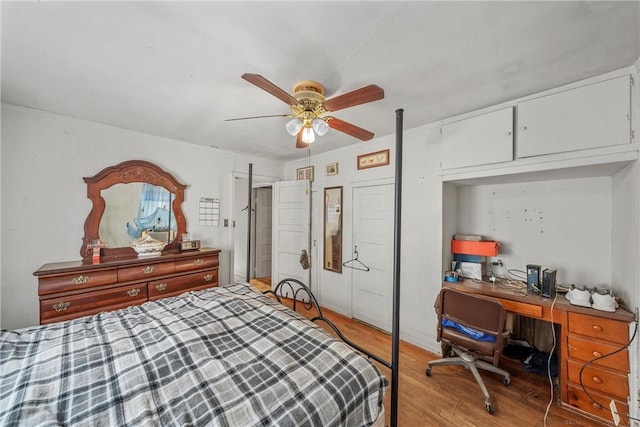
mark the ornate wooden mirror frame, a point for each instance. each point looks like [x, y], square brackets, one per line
[124, 173]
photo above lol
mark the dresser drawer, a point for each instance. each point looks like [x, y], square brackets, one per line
[72, 306]
[145, 271]
[599, 379]
[579, 399]
[207, 261]
[177, 285]
[599, 327]
[586, 349]
[74, 281]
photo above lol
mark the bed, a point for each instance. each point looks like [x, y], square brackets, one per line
[227, 356]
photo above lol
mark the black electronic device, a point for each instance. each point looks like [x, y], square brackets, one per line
[548, 283]
[533, 278]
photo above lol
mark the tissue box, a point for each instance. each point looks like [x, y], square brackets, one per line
[472, 270]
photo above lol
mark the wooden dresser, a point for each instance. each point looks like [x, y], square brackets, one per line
[68, 290]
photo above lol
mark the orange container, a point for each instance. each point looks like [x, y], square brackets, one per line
[468, 247]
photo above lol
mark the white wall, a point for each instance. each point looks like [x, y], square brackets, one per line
[44, 202]
[559, 224]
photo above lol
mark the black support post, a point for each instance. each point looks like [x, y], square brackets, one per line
[249, 204]
[395, 328]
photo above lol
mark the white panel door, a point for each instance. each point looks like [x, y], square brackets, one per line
[372, 291]
[263, 224]
[291, 230]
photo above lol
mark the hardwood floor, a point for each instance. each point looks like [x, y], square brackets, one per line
[451, 397]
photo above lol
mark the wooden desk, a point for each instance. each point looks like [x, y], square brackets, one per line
[585, 333]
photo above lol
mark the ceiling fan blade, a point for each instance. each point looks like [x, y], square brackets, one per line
[349, 129]
[267, 86]
[356, 97]
[257, 117]
[299, 142]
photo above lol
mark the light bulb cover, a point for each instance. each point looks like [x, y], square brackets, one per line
[308, 136]
[320, 126]
[293, 126]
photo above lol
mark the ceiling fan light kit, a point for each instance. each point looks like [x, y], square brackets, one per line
[309, 106]
[293, 126]
[320, 126]
[308, 136]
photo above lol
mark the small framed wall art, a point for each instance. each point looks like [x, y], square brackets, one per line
[331, 169]
[372, 160]
[305, 173]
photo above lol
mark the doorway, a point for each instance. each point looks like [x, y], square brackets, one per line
[261, 212]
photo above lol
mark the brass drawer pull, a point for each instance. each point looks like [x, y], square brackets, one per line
[161, 286]
[198, 262]
[81, 280]
[61, 306]
[596, 354]
[148, 269]
[597, 328]
[208, 277]
[133, 292]
[596, 380]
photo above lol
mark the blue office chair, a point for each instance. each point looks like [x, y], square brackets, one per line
[471, 332]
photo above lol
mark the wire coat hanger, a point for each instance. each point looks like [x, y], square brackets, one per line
[355, 263]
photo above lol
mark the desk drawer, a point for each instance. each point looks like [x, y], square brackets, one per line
[599, 327]
[75, 281]
[207, 261]
[578, 399]
[145, 271]
[586, 349]
[600, 379]
[72, 306]
[177, 285]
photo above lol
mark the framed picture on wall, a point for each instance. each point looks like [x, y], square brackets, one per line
[331, 169]
[372, 160]
[305, 173]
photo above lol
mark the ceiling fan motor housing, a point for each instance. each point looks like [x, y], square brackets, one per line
[310, 96]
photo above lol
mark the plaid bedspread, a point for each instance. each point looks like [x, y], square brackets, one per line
[226, 356]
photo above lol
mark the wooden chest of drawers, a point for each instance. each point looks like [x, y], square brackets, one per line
[74, 289]
[606, 379]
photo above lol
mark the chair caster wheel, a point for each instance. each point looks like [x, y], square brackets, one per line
[506, 381]
[490, 409]
[428, 372]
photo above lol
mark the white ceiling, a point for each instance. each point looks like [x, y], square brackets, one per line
[173, 69]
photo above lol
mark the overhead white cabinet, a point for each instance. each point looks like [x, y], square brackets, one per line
[587, 117]
[479, 140]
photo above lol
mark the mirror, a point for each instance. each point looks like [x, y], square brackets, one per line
[132, 199]
[134, 210]
[333, 229]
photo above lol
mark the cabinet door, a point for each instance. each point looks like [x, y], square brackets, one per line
[479, 140]
[592, 116]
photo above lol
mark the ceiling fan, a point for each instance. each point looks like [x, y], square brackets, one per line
[309, 108]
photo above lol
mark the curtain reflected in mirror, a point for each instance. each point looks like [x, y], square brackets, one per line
[333, 229]
[135, 210]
